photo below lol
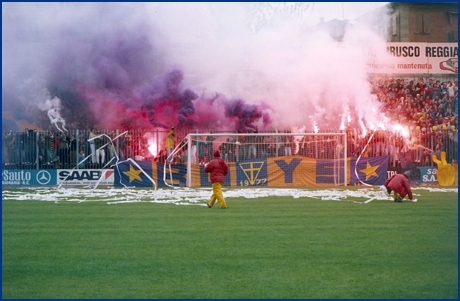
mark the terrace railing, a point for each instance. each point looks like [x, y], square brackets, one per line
[71, 149]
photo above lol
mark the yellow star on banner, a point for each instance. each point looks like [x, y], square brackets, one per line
[370, 170]
[133, 174]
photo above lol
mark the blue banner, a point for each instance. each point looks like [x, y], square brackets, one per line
[372, 171]
[178, 172]
[134, 174]
[329, 171]
[251, 173]
[146, 173]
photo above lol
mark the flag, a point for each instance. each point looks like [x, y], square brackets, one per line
[291, 171]
[330, 171]
[369, 170]
[134, 174]
[251, 172]
[178, 172]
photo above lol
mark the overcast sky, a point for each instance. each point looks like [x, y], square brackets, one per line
[343, 10]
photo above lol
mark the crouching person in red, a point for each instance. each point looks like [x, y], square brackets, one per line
[399, 184]
[218, 170]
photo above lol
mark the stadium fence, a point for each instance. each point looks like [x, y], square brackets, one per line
[29, 149]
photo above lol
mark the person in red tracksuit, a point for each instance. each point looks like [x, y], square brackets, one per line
[399, 184]
[218, 169]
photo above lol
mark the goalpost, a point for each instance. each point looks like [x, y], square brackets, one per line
[326, 152]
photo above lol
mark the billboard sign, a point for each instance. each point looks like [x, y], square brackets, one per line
[84, 176]
[28, 177]
[419, 58]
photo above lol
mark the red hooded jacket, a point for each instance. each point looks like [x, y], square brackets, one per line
[218, 169]
[400, 184]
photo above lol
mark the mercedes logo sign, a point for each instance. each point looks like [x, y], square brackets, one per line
[43, 177]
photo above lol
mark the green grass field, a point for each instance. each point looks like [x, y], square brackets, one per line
[271, 247]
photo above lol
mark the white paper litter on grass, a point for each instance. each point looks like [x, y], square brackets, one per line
[189, 196]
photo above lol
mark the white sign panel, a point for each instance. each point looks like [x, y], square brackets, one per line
[419, 58]
[85, 176]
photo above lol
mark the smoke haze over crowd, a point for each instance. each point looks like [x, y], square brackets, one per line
[227, 66]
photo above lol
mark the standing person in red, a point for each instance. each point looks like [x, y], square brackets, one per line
[218, 170]
[400, 185]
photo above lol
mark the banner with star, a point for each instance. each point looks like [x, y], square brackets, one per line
[135, 174]
[369, 170]
[175, 176]
[132, 173]
[278, 171]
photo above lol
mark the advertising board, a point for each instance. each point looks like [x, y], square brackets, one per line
[28, 177]
[419, 58]
[85, 177]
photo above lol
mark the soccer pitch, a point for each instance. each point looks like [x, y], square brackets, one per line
[349, 242]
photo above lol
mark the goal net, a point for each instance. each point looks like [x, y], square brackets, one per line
[269, 159]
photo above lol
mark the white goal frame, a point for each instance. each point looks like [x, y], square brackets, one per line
[197, 135]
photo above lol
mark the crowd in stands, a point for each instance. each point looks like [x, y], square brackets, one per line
[426, 108]
[419, 102]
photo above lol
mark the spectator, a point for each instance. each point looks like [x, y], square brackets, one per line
[201, 143]
[193, 153]
[73, 151]
[42, 154]
[63, 148]
[223, 149]
[100, 148]
[170, 143]
[231, 149]
[111, 145]
[81, 159]
[161, 158]
[209, 148]
[252, 151]
[49, 145]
